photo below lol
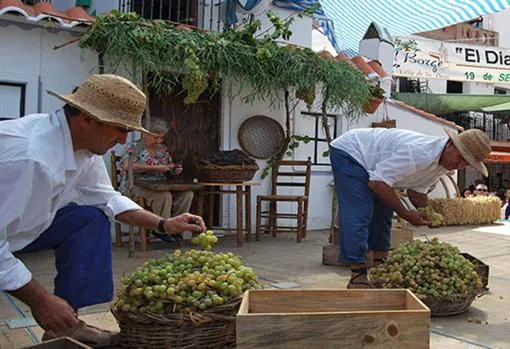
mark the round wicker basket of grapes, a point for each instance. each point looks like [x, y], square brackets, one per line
[435, 271]
[184, 299]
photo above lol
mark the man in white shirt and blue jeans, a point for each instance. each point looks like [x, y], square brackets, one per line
[370, 164]
[56, 194]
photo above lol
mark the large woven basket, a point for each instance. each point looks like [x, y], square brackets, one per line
[226, 174]
[261, 137]
[449, 306]
[214, 329]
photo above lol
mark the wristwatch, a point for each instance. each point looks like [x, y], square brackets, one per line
[161, 225]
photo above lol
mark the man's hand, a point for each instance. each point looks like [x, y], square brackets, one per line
[416, 218]
[50, 312]
[185, 222]
[54, 313]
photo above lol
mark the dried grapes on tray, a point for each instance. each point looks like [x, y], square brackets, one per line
[228, 157]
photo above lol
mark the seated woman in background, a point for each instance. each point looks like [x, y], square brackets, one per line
[152, 160]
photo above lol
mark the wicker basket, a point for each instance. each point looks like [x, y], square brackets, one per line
[227, 174]
[447, 306]
[214, 329]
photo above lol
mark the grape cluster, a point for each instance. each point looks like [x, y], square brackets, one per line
[307, 95]
[429, 269]
[228, 157]
[435, 219]
[185, 282]
[205, 240]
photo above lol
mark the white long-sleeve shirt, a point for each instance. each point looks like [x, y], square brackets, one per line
[402, 159]
[39, 174]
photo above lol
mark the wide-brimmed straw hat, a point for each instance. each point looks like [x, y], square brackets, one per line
[474, 145]
[110, 99]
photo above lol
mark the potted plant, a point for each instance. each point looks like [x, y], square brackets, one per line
[375, 100]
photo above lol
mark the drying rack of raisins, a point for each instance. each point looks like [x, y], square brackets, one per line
[220, 171]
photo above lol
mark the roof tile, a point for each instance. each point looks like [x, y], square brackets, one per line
[45, 11]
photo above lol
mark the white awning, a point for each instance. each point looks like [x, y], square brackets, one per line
[352, 18]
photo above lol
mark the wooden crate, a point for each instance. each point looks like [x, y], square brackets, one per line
[331, 251]
[481, 268]
[331, 319]
[60, 343]
[330, 254]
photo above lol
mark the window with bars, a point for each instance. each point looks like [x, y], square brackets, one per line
[309, 124]
[12, 100]
[204, 14]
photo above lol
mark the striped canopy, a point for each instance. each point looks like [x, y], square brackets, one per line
[351, 18]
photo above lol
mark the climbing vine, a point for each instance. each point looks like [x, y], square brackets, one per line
[262, 67]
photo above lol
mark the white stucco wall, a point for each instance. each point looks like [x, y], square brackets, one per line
[234, 113]
[28, 57]
[477, 88]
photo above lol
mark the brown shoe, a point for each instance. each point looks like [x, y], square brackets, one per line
[87, 334]
[359, 279]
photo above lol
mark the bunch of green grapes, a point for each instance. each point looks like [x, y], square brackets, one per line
[185, 282]
[307, 95]
[429, 269]
[435, 219]
[205, 240]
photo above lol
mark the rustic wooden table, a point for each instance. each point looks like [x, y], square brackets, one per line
[241, 189]
[167, 185]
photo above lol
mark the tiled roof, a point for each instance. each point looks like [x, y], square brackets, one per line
[45, 11]
[373, 70]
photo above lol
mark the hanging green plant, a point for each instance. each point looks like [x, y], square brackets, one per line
[258, 63]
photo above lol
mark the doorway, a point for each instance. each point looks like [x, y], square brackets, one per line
[194, 132]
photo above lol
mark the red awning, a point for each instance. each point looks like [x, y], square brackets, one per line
[498, 156]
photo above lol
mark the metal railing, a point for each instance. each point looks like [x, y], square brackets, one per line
[496, 126]
[204, 14]
[33, 2]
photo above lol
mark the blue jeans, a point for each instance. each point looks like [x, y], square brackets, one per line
[81, 239]
[365, 221]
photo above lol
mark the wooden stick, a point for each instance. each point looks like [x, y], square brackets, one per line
[145, 86]
[324, 117]
[131, 253]
[56, 47]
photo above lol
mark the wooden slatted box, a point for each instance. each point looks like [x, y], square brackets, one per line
[332, 319]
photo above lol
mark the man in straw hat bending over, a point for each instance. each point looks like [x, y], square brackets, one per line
[50, 162]
[369, 164]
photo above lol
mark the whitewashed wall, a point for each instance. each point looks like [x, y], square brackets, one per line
[28, 57]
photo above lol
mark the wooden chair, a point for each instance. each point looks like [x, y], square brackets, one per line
[293, 179]
[116, 177]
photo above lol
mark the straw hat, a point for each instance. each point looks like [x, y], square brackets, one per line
[111, 99]
[474, 146]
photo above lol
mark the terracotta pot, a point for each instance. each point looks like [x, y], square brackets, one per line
[372, 105]
[326, 55]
